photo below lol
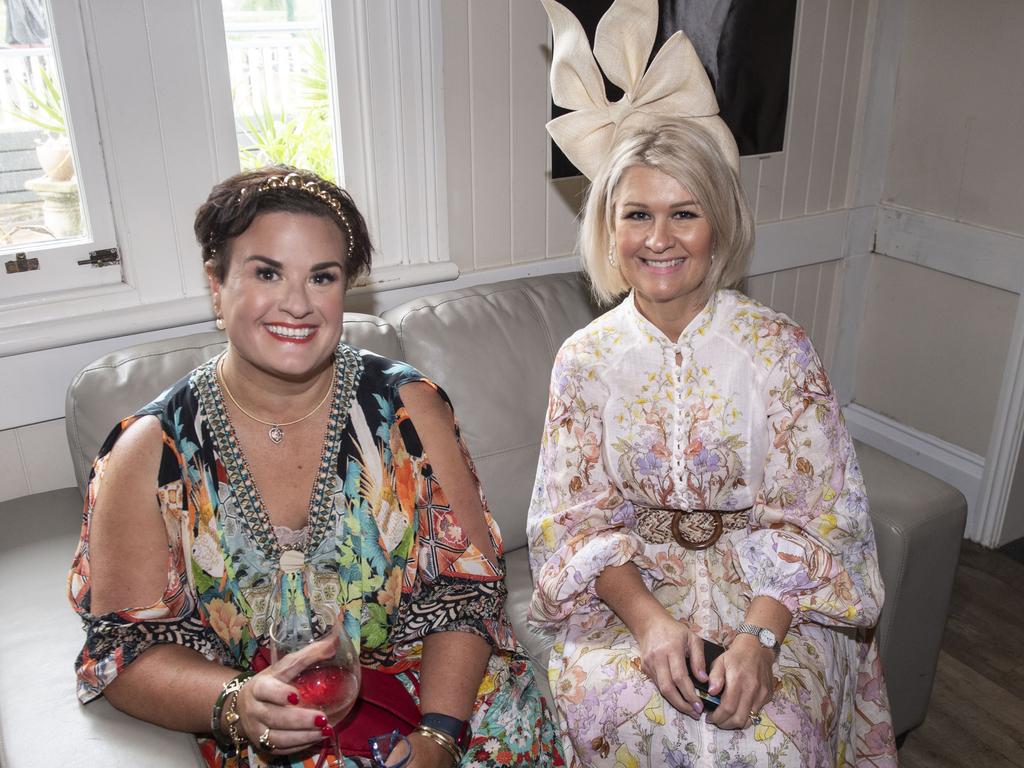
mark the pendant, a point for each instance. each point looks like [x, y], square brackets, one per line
[276, 434]
[292, 561]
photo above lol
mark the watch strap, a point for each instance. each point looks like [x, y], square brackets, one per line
[753, 629]
[459, 730]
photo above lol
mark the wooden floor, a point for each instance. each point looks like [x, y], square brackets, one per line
[976, 715]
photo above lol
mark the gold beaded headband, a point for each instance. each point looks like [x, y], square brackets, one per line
[294, 181]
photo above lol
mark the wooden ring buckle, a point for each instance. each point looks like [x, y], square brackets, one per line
[677, 532]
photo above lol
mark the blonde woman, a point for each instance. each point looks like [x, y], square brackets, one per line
[696, 482]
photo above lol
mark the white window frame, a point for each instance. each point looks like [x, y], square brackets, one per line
[57, 268]
[393, 132]
[159, 74]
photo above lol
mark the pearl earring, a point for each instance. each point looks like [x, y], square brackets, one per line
[220, 323]
[611, 254]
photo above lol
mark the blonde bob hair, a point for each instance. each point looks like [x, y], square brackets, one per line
[689, 154]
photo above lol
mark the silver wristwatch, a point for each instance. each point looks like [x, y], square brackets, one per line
[764, 636]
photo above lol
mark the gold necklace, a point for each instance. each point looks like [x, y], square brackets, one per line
[276, 431]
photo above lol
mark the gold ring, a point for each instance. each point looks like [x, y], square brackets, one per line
[265, 741]
[755, 719]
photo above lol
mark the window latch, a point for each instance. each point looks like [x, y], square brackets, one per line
[21, 263]
[106, 257]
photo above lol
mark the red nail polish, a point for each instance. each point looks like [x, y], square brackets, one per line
[293, 698]
[320, 721]
[327, 732]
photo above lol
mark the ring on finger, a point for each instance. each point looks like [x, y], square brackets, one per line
[755, 718]
[265, 741]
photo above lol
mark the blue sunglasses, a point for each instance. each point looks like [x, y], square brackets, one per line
[382, 746]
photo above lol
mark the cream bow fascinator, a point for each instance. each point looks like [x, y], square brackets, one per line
[675, 86]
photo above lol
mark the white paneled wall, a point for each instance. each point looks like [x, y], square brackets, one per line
[34, 458]
[503, 208]
[806, 294]
[960, 86]
[811, 174]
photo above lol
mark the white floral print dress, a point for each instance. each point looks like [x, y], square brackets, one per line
[737, 413]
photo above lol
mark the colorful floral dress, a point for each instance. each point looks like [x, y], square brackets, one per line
[384, 550]
[737, 413]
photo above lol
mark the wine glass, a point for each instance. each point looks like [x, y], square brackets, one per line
[327, 675]
[317, 656]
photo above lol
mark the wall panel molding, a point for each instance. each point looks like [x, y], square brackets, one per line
[957, 466]
[956, 248]
[798, 242]
[995, 529]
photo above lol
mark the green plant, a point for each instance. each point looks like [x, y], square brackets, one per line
[50, 115]
[304, 140]
[314, 81]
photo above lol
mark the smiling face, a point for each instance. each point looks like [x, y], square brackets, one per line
[663, 244]
[283, 296]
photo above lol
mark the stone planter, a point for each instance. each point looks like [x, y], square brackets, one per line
[62, 210]
[55, 158]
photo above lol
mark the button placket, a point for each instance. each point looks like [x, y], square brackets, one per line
[679, 458]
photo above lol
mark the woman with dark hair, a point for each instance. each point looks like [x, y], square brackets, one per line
[294, 452]
[699, 532]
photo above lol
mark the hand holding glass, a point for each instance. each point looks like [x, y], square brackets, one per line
[324, 669]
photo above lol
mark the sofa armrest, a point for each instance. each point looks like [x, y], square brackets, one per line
[41, 720]
[919, 524]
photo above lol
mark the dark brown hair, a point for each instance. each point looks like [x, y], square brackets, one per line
[236, 201]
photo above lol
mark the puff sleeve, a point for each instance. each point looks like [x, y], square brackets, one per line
[812, 547]
[578, 523]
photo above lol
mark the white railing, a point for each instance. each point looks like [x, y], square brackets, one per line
[21, 66]
[264, 60]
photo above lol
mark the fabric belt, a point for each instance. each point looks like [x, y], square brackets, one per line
[690, 528]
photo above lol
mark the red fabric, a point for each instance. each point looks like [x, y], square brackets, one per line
[383, 706]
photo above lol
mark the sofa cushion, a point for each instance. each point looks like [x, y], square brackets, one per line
[536, 643]
[491, 348]
[118, 384]
[41, 720]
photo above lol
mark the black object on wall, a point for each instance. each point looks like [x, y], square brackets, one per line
[746, 47]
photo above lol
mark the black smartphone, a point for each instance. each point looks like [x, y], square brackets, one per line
[711, 652]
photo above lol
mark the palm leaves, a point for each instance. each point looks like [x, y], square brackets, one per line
[48, 106]
[305, 139]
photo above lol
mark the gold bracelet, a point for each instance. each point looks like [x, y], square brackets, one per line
[231, 717]
[443, 740]
[446, 737]
[218, 708]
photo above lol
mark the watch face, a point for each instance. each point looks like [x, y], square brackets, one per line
[767, 638]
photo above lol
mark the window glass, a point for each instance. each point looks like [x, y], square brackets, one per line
[40, 197]
[280, 80]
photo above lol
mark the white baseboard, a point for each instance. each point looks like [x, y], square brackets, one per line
[950, 463]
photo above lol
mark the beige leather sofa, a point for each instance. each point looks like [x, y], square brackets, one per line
[491, 347]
